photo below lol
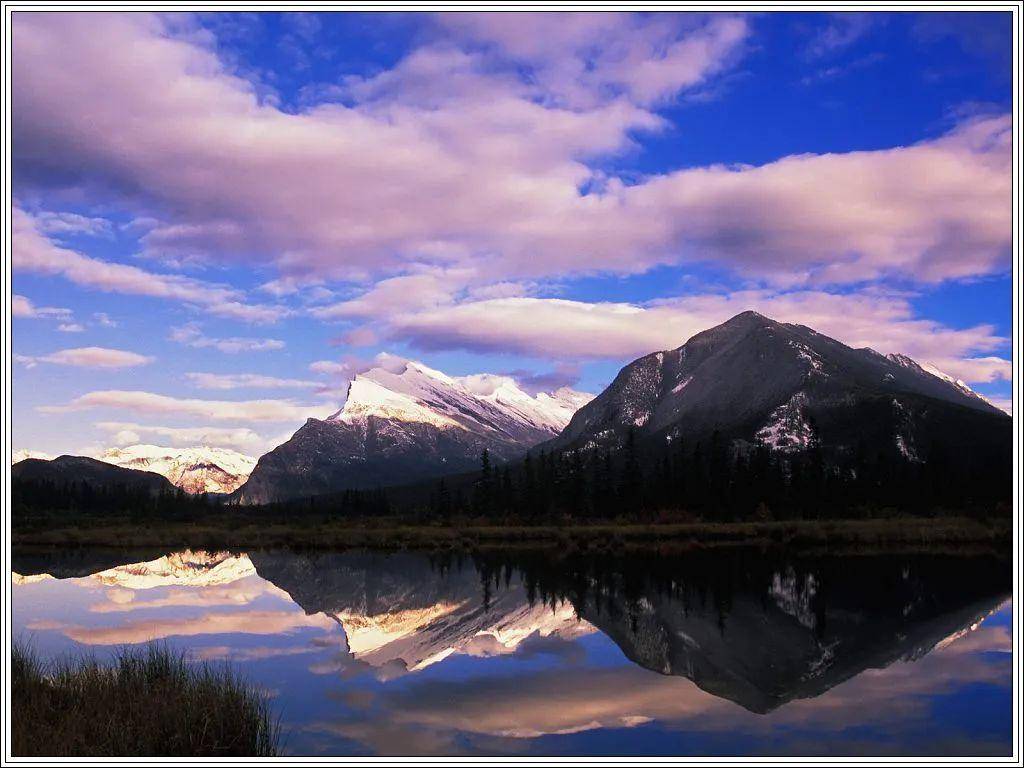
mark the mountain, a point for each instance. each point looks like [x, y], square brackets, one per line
[755, 381]
[761, 629]
[202, 469]
[404, 422]
[93, 472]
[187, 568]
[400, 614]
[758, 627]
[24, 453]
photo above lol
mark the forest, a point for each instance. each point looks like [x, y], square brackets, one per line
[706, 482]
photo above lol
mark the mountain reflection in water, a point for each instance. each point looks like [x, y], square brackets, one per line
[511, 649]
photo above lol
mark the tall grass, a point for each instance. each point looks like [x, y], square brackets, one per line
[147, 702]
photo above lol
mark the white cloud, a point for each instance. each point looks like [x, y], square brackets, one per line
[190, 335]
[103, 319]
[70, 328]
[240, 438]
[89, 357]
[22, 306]
[243, 380]
[331, 367]
[64, 223]
[31, 251]
[218, 410]
[840, 31]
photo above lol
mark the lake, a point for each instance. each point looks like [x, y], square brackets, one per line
[711, 652]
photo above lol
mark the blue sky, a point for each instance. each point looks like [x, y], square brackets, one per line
[275, 199]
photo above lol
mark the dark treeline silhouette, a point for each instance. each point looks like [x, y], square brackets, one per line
[709, 481]
[597, 582]
[78, 498]
[347, 504]
[715, 483]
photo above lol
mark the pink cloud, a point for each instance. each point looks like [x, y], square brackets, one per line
[91, 357]
[218, 410]
[252, 623]
[239, 438]
[485, 173]
[191, 336]
[649, 58]
[564, 329]
[242, 380]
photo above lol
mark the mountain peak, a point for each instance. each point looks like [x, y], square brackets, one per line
[198, 469]
[748, 314]
[757, 381]
[409, 391]
[402, 420]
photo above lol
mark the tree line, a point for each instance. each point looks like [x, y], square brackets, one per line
[715, 482]
[79, 498]
[709, 481]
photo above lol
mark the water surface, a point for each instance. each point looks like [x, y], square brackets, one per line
[723, 652]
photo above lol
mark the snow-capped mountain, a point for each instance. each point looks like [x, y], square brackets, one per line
[24, 453]
[784, 634]
[202, 469]
[403, 421]
[187, 568]
[400, 615]
[414, 393]
[757, 381]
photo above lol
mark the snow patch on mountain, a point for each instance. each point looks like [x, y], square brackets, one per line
[681, 385]
[786, 428]
[929, 368]
[794, 595]
[201, 469]
[808, 355]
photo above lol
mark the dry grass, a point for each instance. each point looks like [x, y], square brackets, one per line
[905, 533]
[149, 702]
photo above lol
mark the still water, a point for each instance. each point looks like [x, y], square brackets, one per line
[728, 652]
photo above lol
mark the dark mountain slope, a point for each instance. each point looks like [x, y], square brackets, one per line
[95, 473]
[757, 381]
[406, 424]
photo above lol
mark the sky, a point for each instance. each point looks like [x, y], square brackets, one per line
[219, 219]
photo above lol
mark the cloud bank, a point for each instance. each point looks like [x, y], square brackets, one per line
[454, 158]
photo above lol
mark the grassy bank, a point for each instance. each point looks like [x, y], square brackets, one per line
[904, 533]
[147, 702]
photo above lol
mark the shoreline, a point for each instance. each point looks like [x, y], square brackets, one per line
[881, 534]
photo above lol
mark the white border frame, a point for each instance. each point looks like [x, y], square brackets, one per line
[1016, 8]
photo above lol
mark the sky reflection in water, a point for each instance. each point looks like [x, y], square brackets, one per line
[719, 654]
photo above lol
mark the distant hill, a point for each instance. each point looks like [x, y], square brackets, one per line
[96, 473]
